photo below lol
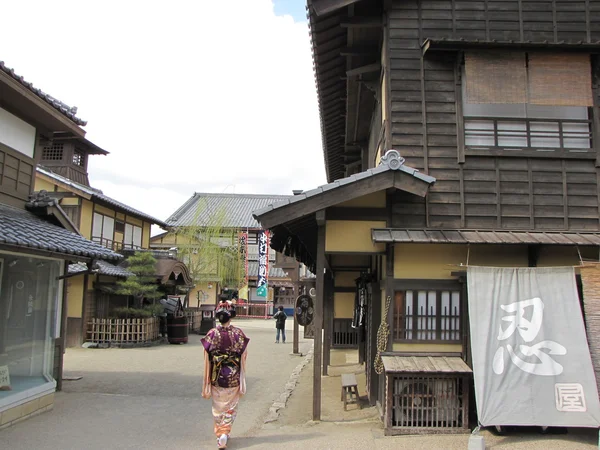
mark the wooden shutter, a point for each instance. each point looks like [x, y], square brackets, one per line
[496, 77]
[560, 79]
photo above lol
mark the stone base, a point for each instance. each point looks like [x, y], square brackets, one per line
[23, 412]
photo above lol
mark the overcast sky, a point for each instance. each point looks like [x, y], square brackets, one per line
[187, 96]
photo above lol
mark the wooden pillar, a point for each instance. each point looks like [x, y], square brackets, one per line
[295, 280]
[373, 328]
[320, 275]
[389, 291]
[328, 323]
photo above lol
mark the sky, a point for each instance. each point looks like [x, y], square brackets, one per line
[187, 96]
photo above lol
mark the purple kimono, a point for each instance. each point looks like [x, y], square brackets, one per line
[225, 346]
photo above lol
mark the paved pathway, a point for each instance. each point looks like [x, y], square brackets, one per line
[149, 398]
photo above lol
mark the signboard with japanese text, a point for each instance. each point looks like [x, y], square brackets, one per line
[243, 247]
[531, 360]
[4, 379]
[263, 264]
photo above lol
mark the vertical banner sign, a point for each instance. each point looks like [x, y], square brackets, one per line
[531, 360]
[263, 264]
[243, 247]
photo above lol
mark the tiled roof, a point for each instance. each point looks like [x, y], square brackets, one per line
[237, 209]
[104, 268]
[22, 228]
[384, 166]
[68, 111]
[97, 194]
[483, 237]
[274, 272]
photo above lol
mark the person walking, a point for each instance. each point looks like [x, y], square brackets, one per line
[224, 370]
[280, 317]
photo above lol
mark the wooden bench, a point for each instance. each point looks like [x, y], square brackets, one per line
[349, 390]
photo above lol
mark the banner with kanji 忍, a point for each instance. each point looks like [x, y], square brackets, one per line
[531, 360]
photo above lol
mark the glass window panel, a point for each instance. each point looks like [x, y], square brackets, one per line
[455, 313]
[108, 230]
[29, 321]
[431, 314]
[421, 314]
[445, 312]
[97, 226]
[479, 133]
[544, 134]
[137, 237]
[576, 135]
[409, 312]
[557, 112]
[512, 134]
[128, 239]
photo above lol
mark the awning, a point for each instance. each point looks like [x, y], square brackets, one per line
[425, 364]
[387, 235]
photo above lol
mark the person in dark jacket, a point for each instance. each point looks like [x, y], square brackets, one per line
[280, 317]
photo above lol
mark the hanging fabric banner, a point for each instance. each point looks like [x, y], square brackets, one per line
[263, 264]
[243, 248]
[531, 360]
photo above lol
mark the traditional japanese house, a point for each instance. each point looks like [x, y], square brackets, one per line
[38, 241]
[232, 213]
[454, 133]
[62, 175]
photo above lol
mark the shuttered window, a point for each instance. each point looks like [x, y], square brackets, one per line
[535, 103]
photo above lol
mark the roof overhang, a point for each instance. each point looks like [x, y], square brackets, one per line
[323, 7]
[460, 44]
[396, 235]
[373, 180]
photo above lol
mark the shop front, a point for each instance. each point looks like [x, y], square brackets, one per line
[30, 312]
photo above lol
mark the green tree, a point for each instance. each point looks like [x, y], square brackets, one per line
[210, 247]
[143, 283]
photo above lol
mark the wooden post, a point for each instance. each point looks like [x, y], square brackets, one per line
[328, 323]
[296, 284]
[320, 216]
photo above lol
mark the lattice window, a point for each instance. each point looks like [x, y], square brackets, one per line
[53, 152]
[427, 315]
[79, 158]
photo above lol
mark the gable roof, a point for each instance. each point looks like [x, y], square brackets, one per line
[237, 209]
[96, 195]
[68, 111]
[391, 173]
[20, 228]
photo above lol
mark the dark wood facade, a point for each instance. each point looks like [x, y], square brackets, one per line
[16, 176]
[545, 191]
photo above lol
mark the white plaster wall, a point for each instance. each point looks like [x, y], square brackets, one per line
[16, 133]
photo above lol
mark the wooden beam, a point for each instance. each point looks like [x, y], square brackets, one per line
[368, 68]
[318, 318]
[363, 22]
[323, 7]
[359, 51]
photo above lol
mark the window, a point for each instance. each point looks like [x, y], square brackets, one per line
[533, 103]
[30, 295]
[103, 228]
[119, 226]
[427, 315]
[53, 152]
[133, 236]
[79, 158]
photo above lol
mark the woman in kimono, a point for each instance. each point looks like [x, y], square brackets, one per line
[224, 370]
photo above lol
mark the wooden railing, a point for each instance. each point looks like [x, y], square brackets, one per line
[114, 245]
[121, 331]
[538, 137]
[344, 336]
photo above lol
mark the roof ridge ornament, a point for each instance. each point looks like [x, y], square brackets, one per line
[392, 159]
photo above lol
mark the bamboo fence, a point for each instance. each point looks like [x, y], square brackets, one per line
[121, 331]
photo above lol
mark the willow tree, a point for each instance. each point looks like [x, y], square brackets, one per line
[210, 247]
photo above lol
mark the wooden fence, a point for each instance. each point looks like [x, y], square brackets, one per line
[344, 336]
[121, 331]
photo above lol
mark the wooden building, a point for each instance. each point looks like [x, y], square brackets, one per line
[97, 217]
[233, 212]
[491, 108]
[38, 241]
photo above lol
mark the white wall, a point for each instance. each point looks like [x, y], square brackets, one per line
[16, 133]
